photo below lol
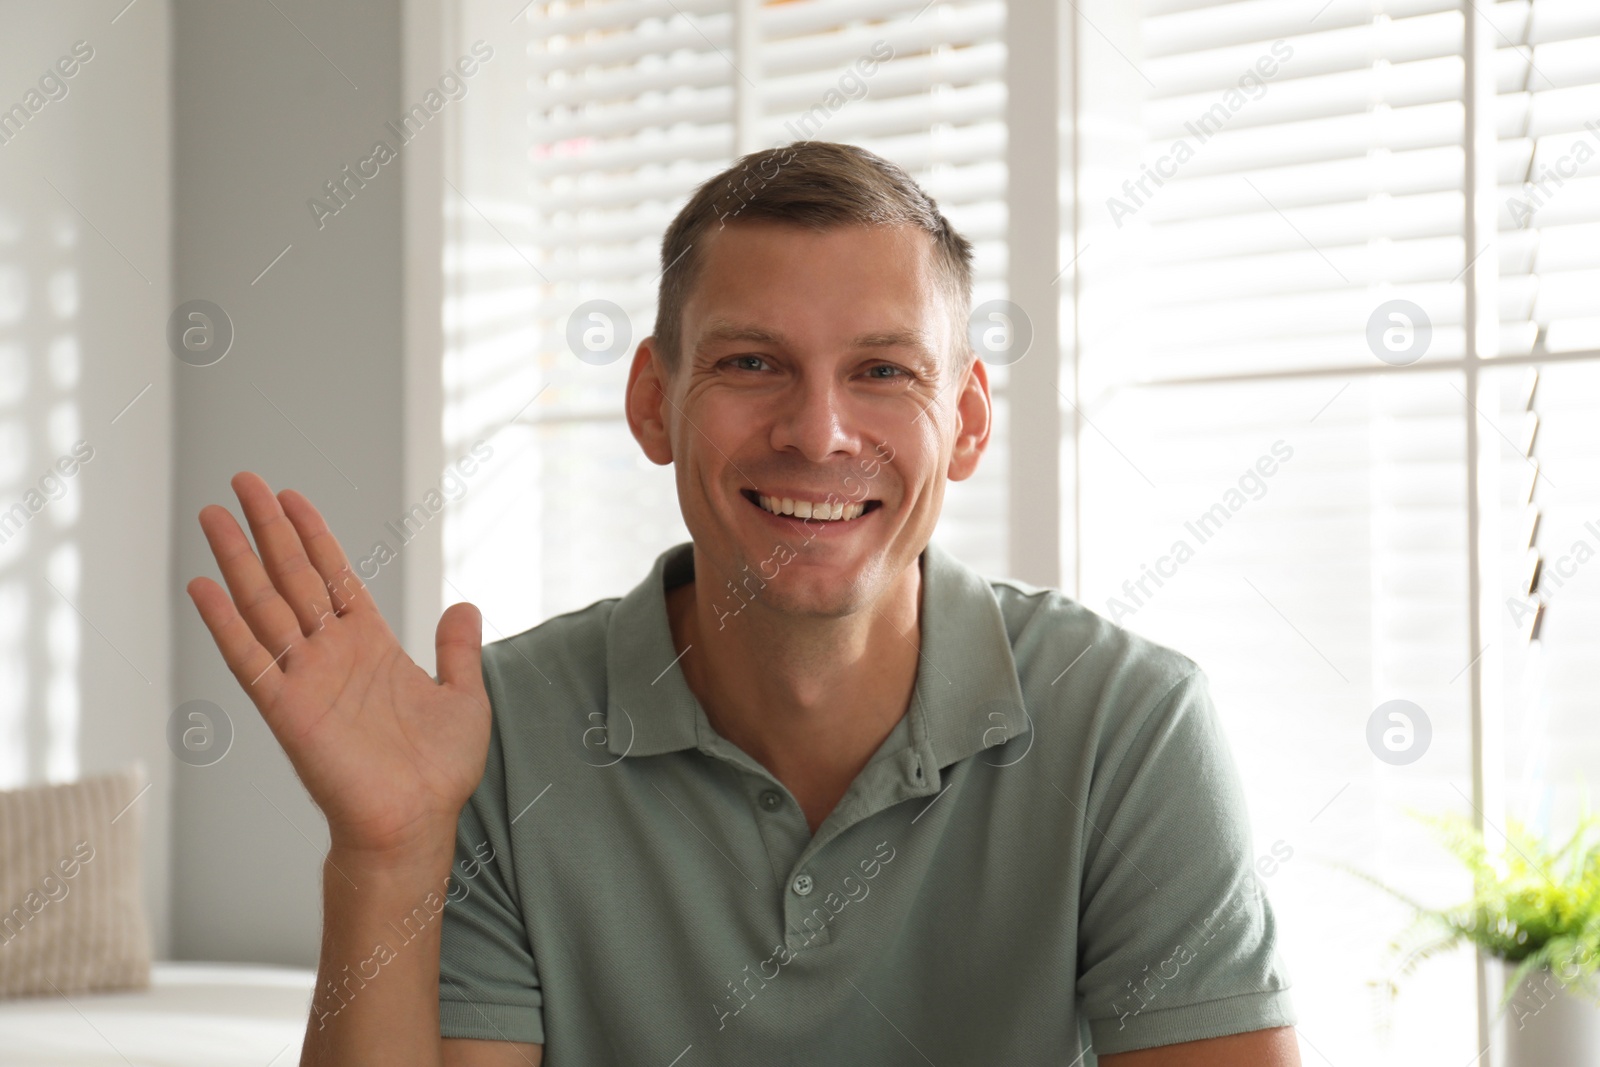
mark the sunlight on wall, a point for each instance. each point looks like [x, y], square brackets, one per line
[13, 460]
[40, 630]
[65, 637]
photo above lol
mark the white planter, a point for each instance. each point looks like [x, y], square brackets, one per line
[1547, 1025]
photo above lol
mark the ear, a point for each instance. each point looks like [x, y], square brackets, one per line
[974, 421]
[645, 402]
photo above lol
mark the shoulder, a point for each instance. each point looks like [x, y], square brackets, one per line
[563, 657]
[1045, 625]
[1086, 678]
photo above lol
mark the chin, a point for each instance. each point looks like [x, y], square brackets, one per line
[818, 604]
[829, 590]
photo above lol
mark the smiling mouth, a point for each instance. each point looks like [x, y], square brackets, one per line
[828, 510]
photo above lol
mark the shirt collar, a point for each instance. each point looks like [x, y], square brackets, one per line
[966, 696]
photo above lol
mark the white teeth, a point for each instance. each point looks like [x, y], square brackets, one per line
[831, 511]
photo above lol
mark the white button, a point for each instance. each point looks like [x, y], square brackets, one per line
[802, 884]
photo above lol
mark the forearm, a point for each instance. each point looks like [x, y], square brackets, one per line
[377, 994]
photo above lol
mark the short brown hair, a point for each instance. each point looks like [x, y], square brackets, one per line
[816, 184]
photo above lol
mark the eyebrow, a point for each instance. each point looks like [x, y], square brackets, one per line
[721, 331]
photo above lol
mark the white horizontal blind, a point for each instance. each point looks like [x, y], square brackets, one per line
[1332, 173]
[1548, 77]
[1310, 594]
[1547, 71]
[623, 107]
[1281, 177]
[1548, 600]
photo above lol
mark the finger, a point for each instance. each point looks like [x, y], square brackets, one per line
[254, 595]
[257, 672]
[349, 592]
[458, 650]
[282, 553]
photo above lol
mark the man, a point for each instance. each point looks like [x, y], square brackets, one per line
[813, 792]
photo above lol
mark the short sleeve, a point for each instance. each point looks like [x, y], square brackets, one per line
[488, 981]
[1177, 940]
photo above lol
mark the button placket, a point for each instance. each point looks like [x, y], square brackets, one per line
[804, 927]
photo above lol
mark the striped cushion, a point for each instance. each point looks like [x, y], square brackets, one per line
[71, 912]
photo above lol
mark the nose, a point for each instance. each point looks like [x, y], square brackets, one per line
[814, 421]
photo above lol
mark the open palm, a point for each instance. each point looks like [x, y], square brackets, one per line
[389, 754]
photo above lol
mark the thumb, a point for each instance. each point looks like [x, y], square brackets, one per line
[458, 647]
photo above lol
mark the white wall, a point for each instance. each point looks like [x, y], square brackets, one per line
[85, 263]
[178, 167]
[267, 107]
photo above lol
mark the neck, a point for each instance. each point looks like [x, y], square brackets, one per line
[810, 698]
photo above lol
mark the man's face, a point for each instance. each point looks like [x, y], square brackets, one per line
[818, 369]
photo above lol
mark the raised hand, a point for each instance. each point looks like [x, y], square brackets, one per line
[389, 754]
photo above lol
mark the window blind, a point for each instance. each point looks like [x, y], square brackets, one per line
[1547, 599]
[1276, 179]
[1312, 164]
[1547, 72]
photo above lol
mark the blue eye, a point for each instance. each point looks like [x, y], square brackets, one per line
[894, 371]
[738, 361]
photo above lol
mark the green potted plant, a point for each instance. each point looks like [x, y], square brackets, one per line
[1537, 909]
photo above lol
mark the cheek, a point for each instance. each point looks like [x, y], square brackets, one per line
[708, 452]
[721, 426]
[919, 458]
[702, 436]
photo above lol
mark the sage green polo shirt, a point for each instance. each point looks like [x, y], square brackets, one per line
[1048, 854]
